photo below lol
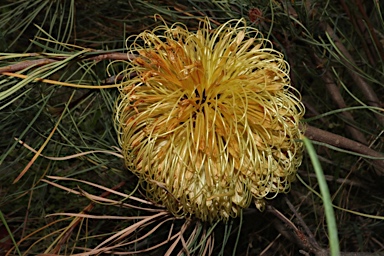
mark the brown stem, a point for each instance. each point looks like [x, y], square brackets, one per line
[113, 56]
[293, 233]
[351, 64]
[334, 92]
[311, 237]
[319, 135]
[371, 29]
[361, 30]
[40, 62]
[25, 64]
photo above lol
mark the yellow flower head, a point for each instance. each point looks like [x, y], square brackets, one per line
[208, 120]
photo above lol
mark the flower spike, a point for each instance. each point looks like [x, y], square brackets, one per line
[208, 120]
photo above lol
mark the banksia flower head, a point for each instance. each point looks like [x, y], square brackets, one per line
[208, 120]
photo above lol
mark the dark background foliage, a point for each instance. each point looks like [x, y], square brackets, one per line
[336, 53]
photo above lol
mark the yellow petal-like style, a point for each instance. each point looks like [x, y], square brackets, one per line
[208, 120]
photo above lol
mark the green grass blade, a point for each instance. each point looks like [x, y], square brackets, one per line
[329, 213]
[2, 218]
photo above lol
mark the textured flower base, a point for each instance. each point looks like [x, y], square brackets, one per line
[208, 120]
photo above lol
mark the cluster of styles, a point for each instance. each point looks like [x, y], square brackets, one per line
[208, 119]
